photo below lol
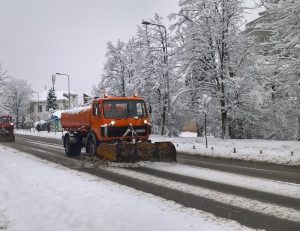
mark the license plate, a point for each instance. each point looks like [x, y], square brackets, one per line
[141, 130]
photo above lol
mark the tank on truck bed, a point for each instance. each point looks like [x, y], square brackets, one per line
[114, 128]
[76, 118]
[6, 129]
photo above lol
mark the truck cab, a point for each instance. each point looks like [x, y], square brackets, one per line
[6, 128]
[112, 117]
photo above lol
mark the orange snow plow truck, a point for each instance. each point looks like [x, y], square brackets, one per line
[115, 129]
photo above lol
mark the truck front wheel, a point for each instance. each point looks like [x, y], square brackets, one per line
[91, 146]
[72, 149]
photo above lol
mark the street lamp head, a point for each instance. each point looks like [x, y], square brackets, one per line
[58, 73]
[146, 23]
[68, 86]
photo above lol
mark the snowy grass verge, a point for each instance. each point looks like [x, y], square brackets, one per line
[269, 151]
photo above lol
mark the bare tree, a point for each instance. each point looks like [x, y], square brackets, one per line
[211, 50]
[3, 82]
[18, 93]
[118, 68]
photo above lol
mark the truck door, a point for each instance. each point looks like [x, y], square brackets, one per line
[96, 117]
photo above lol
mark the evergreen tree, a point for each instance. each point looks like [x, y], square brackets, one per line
[51, 100]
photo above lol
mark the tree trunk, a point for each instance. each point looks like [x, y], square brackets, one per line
[224, 124]
[205, 130]
[164, 115]
[298, 127]
[17, 120]
[224, 117]
[298, 99]
[123, 82]
[199, 129]
[163, 120]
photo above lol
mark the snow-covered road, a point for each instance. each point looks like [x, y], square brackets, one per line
[280, 212]
[271, 186]
[262, 201]
[39, 195]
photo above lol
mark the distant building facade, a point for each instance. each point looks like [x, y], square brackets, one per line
[261, 30]
[38, 104]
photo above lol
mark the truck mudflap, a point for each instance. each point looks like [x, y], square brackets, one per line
[140, 151]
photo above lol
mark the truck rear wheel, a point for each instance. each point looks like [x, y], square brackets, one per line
[72, 149]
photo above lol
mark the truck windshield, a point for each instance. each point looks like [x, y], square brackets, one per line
[5, 120]
[124, 109]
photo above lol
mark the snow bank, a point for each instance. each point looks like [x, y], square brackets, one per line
[40, 122]
[271, 151]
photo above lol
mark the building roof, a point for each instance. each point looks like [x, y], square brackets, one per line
[261, 23]
[42, 96]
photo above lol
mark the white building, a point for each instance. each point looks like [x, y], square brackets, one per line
[38, 104]
[260, 29]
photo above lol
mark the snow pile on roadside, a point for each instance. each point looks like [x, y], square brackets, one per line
[38, 195]
[33, 132]
[271, 151]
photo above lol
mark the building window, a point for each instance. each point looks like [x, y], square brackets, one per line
[31, 108]
[40, 108]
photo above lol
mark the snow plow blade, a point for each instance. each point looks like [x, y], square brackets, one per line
[141, 151]
[7, 138]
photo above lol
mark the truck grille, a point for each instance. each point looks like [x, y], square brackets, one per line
[120, 131]
[6, 130]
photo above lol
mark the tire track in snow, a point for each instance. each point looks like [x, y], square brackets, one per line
[247, 211]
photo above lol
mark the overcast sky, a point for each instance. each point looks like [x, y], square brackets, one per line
[41, 37]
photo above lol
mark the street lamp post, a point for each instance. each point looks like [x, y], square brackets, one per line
[68, 87]
[53, 80]
[206, 100]
[165, 50]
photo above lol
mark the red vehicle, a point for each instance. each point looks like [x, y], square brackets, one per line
[6, 128]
